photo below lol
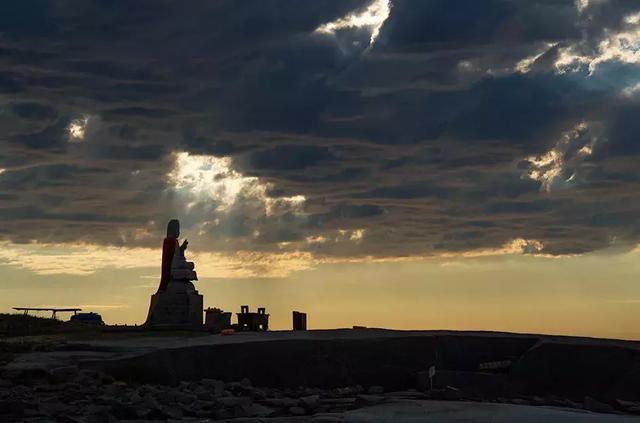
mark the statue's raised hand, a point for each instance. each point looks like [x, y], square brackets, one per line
[184, 245]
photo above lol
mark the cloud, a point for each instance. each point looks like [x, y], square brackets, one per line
[373, 17]
[460, 129]
[86, 259]
[561, 166]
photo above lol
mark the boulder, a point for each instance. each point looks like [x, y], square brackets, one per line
[63, 374]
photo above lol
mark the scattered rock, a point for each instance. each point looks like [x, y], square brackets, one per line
[369, 400]
[53, 408]
[222, 414]
[536, 400]
[310, 402]
[15, 408]
[184, 398]
[150, 402]
[248, 420]
[285, 402]
[253, 410]
[628, 406]
[338, 401]
[63, 374]
[347, 391]
[230, 402]
[596, 406]
[142, 412]
[327, 419]
[173, 412]
[99, 413]
[297, 411]
[375, 390]
[124, 411]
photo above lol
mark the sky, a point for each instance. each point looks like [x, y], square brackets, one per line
[411, 164]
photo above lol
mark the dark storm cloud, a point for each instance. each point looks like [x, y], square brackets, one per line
[289, 157]
[429, 140]
[33, 111]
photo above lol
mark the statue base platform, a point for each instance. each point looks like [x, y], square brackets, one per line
[180, 306]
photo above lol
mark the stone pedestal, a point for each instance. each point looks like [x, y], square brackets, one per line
[179, 306]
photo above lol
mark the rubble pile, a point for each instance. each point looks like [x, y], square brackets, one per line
[69, 394]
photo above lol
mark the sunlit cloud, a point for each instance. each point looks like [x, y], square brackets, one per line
[631, 90]
[546, 168]
[517, 246]
[565, 157]
[373, 17]
[514, 247]
[205, 178]
[351, 235]
[622, 46]
[582, 5]
[524, 65]
[77, 129]
[316, 239]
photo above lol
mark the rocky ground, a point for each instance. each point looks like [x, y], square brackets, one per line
[68, 394]
[175, 377]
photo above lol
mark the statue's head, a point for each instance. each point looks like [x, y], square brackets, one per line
[173, 228]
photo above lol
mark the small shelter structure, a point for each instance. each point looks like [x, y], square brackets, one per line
[54, 311]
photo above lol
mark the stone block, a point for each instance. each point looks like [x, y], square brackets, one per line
[172, 308]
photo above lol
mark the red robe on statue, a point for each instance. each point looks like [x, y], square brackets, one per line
[168, 249]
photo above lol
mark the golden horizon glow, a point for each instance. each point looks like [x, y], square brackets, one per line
[588, 295]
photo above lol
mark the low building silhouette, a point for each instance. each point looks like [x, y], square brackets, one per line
[253, 321]
[216, 320]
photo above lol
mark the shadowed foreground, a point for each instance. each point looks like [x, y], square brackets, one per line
[337, 375]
